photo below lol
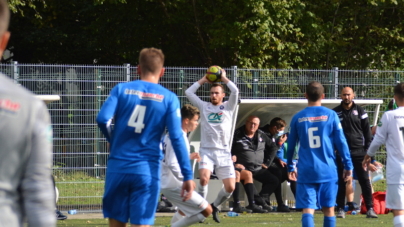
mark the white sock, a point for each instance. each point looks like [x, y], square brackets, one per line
[203, 190]
[398, 221]
[221, 197]
[187, 221]
[177, 216]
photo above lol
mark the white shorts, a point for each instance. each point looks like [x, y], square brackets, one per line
[395, 196]
[220, 160]
[194, 205]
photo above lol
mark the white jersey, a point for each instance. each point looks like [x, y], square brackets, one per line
[390, 131]
[171, 176]
[216, 121]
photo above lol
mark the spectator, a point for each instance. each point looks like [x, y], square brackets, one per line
[142, 110]
[254, 152]
[390, 132]
[317, 130]
[275, 131]
[26, 191]
[355, 123]
[196, 209]
[216, 126]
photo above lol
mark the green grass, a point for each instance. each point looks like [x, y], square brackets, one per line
[272, 219]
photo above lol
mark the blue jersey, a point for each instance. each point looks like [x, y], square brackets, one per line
[142, 110]
[319, 131]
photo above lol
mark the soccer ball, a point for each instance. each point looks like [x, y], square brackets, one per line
[214, 73]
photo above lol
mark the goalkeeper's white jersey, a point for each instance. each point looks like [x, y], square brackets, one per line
[216, 120]
[390, 131]
[171, 176]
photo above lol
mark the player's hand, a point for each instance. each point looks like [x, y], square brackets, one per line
[372, 167]
[187, 188]
[223, 77]
[204, 80]
[347, 175]
[283, 138]
[292, 176]
[239, 166]
[264, 166]
[366, 162]
[234, 158]
[196, 156]
[283, 164]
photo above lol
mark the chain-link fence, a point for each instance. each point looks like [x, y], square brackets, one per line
[80, 151]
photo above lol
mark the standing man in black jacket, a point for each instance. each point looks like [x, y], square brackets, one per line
[355, 122]
[254, 152]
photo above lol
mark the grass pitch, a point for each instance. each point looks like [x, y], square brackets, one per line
[250, 220]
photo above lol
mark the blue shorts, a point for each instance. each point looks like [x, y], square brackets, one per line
[131, 196]
[316, 195]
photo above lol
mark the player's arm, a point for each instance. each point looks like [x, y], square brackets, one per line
[38, 193]
[107, 112]
[292, 141]
[190, 92]
[367, 132]
[233, 98]
[340, 142]
[378, 140]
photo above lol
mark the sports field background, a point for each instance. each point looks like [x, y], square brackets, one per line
[80, 150]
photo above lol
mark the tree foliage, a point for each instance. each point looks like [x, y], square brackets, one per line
[247, 33]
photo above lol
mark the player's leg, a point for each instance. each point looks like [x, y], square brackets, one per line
[306, 199]
[326, 199]
[395, 201]
[195, 209]
[144, 194]
[341, 188]
[225, 172]
[364, 181]
[205, 170]
[116, 199]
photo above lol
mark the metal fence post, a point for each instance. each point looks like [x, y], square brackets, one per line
[335, 82]
[99, 87]
[127, 65]
[16, 75]
[181, 87]
[234, 78]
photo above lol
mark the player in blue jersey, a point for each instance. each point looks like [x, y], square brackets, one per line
[141, 109]
[318, 130]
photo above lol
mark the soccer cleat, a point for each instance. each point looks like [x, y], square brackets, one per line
[341, 213]
[60, 216]
[371, 213]
[240, 209]
[268, 208]
[256, 209]
[283, 208]
[215, 213]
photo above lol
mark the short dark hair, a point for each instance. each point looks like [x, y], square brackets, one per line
[314, 91]
[151, 60]
[399, 91]
[218, 85]
[390, 106]
[189, 112]
[4, 16]
[278, 122]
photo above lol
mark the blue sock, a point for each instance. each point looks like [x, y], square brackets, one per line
[329, 221]
[307, 220]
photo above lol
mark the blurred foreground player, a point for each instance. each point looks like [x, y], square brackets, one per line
[26, 189]
[142, 109]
